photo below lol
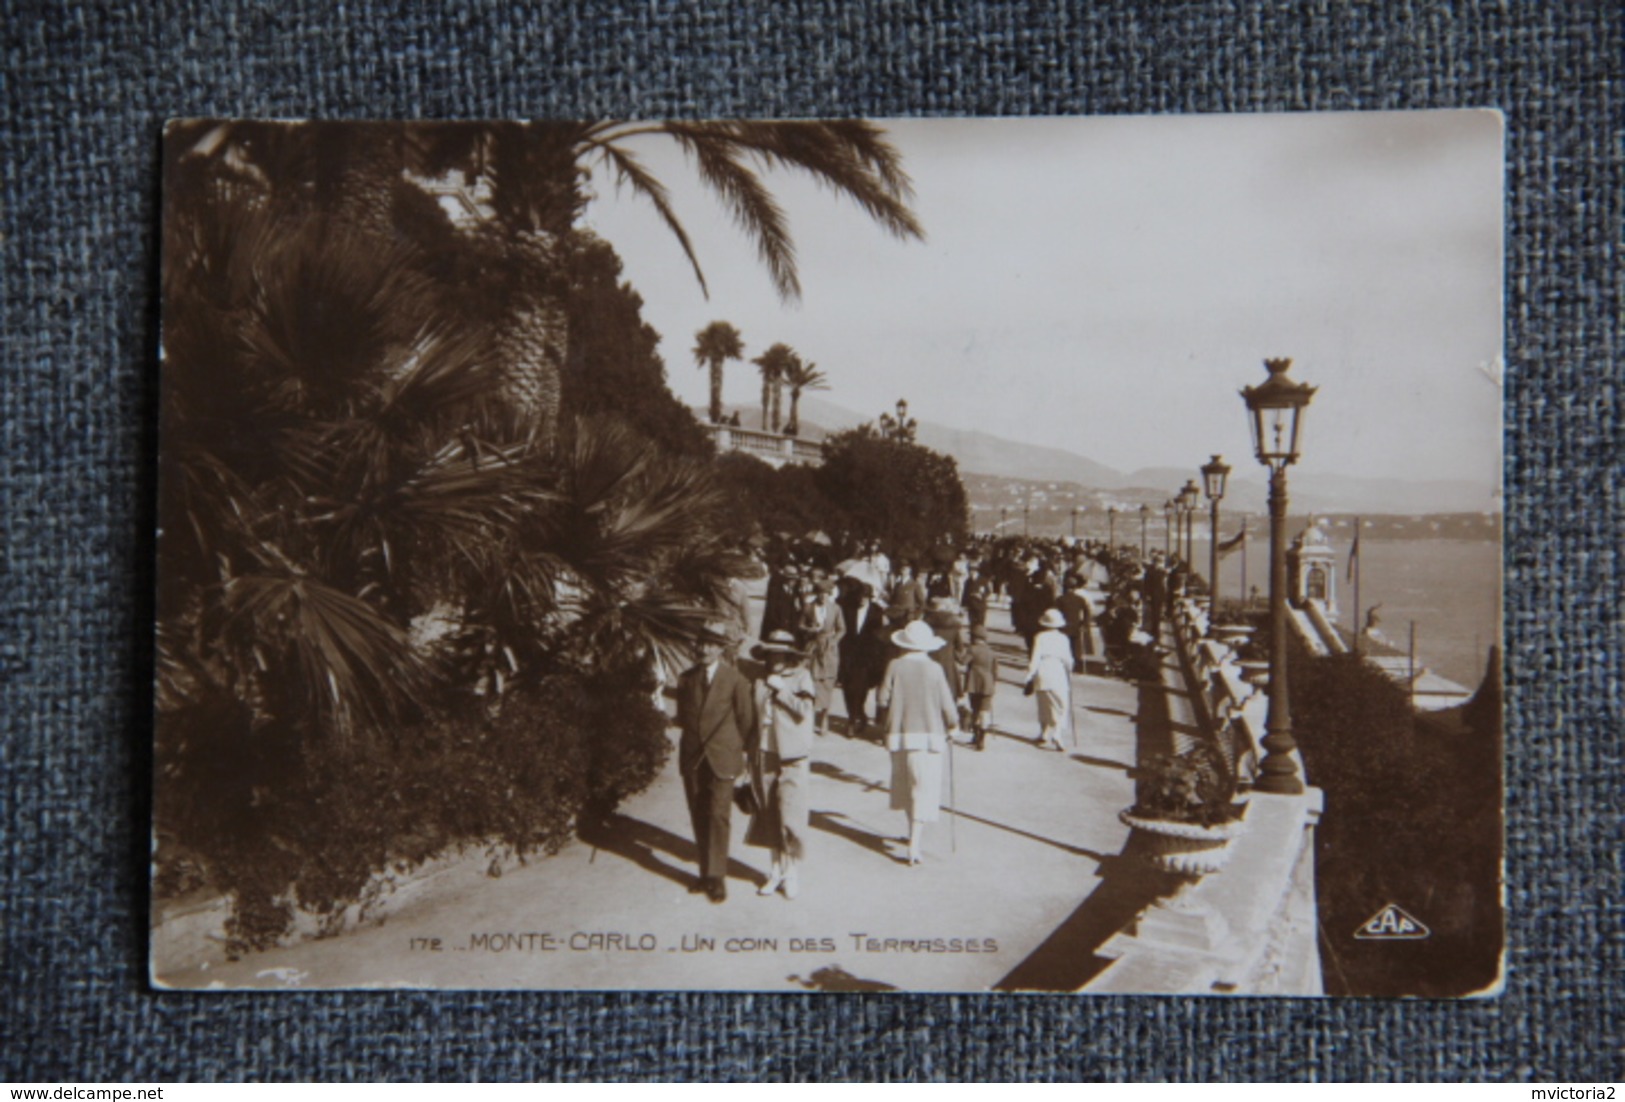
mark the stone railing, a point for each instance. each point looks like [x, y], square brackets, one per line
[772, 447]
[1250, 927]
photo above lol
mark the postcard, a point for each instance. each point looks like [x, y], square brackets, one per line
[930, 555]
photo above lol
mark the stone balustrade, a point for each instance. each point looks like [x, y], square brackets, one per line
[771, 447]
[1251, 927]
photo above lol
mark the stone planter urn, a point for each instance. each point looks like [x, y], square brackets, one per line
[1189, 851]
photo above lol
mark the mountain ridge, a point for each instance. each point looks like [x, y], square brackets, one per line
[983, 453]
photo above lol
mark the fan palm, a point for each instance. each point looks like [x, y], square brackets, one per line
[333, 447]
[359, 174]
[713, 346]
[801, 376]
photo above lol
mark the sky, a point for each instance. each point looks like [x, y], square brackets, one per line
[1106, 285]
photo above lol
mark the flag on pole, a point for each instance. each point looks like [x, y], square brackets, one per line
[1354, 552]
[1229, 545]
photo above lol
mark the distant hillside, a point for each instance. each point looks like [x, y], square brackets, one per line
[1088, 481]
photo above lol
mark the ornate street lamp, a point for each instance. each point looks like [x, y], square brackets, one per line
[1188, 495]
[1074, 522]
[1145, 511]
[1169, 511]
[1111, 526]
[1214, 474]
[900, 427]
[1276, 406]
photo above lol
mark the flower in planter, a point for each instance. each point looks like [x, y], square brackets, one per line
[1193, 787]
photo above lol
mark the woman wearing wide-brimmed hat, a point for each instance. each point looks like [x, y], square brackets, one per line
[921, 716]
[786, 702]
[1049, 675]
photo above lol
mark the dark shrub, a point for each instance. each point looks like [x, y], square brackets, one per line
[274, 820]
[1413, 817]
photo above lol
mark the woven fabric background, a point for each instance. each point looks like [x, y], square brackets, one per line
[87, 87]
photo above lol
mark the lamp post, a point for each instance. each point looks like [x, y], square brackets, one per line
[1188, 495]
[1026, 509]
[1276, 406]
[1214, 474]
[1074, 522]
[1145, 511]
[1004, 518]
[1111, 526]
[1168, 508]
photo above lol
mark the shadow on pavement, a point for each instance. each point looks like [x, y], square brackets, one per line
[1103, 763]
[643, 844]
[831, 823]
[825, 821]
[1068, 958]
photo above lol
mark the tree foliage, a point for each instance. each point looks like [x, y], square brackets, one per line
[371, 561]
[612, 367]
[430, 521]
[1413, 817]
[902, 494]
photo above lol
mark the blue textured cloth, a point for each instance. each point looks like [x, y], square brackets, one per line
[87, 87]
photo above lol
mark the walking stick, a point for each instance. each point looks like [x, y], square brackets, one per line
[953, 802]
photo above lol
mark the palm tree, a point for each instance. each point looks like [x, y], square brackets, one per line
[850, 156]
[800, 377]
[774, 364]
[361, 540]
[713, 346]
[536, 175]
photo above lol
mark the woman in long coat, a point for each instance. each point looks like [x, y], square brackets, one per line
[821, 628]
[1049, 675]
[785, 707]
[921, 716]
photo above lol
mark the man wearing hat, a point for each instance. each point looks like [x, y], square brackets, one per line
[716, 712]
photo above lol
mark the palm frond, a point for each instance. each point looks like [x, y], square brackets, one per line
[350, 660]
[617, 630]
[848, 160]
[716, 342]
[752, 206]
[630, 171]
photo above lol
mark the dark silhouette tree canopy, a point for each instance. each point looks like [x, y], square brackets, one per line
[908, 497]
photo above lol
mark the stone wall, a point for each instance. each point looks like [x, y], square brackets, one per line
[1250, 927]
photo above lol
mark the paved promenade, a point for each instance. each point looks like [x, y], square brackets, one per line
[1024, 877]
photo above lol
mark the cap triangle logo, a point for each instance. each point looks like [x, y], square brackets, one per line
[1392, 923]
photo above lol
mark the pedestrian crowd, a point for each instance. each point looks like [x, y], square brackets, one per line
[912, 639]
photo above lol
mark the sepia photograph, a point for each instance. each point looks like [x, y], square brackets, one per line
[1025, 555]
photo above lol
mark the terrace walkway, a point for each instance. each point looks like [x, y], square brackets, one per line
[1025, 876]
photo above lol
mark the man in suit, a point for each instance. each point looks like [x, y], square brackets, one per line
[1080, 620]
[716, 712]
[863, 654]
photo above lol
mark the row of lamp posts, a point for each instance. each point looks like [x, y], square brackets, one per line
[1275, 408]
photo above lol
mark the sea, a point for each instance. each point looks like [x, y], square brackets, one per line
[1450, 589]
